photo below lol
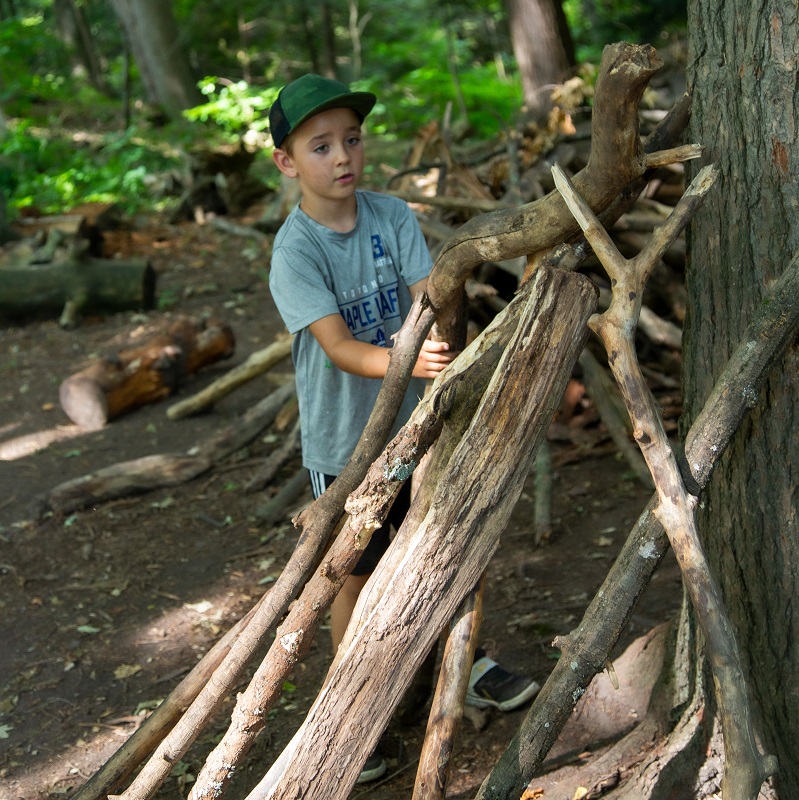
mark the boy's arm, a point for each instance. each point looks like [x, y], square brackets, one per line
[369, 360]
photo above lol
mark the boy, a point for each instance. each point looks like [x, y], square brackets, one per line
[346, 265]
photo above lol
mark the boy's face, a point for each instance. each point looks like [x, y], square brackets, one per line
[326, 155]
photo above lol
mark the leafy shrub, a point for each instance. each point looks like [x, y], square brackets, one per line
[53, 172]
[234, 107]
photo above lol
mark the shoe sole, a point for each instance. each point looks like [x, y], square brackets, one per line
[369, 775]
[513, 703]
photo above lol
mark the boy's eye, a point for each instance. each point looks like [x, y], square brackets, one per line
[353, 140]
[322, 148]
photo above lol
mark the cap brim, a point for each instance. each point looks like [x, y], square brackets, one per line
[361, 103]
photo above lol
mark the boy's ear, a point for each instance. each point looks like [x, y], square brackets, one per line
[284, 163]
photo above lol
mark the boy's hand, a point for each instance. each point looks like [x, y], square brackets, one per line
[433, 357]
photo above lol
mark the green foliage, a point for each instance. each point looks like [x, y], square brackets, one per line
[234, 107]
[422, 95]
[595, 23]
[416, 57]
[32, 64]
[52, 171]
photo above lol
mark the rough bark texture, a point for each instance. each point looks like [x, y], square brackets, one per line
[513, 417]
[617, 158]
[76, 285]
[743, 77]
[543, 48]
[113, 385]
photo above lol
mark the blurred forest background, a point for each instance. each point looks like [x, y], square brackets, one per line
[100, 101]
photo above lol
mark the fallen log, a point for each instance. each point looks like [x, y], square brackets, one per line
[113, 385]
[74, 285]
[166, 469]
[258, 363]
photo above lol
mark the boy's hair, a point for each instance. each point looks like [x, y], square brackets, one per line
[309, 95]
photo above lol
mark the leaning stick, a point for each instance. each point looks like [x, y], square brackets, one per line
[446, 711]
[746, 767]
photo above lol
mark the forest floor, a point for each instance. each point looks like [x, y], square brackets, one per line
[102, 611]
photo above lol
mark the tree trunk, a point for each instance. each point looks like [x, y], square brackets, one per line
[746, 116]
[73, 29]
[154, 40]
[543, 49]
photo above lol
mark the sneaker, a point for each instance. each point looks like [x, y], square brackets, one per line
[492, 686]
[374, 768]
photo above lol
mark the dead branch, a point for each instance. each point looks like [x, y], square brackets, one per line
[617, 158]
[586, 650]
[605, 396]
[542, 519]
[746, 767]
[317, 523]
[151, 472]
[403, 623]
[271, 512]
[447, 709]
[267, 471]
[256, 364]
[143, 741]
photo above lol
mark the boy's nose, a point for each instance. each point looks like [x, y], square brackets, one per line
[342, 154]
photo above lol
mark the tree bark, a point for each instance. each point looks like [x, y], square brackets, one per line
[380, 661]
[155, 42]
[617, 158]
[587, 648]
[114, 385]
[150, 472]
[543, 48]
[76, 34]
[742, 240]
[76, 285]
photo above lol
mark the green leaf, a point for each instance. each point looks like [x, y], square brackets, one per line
[88, 629]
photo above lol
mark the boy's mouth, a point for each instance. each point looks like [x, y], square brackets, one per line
[347, 177]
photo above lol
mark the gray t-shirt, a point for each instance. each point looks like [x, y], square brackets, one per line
[364, 276]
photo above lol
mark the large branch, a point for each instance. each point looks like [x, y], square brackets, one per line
[617, 157]
[374, 671]
[586, 650]
[746, 768]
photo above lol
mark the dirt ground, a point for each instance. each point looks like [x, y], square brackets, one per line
[102, 611]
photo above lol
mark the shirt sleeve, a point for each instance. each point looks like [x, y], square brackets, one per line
[415, 259]
[299, 289]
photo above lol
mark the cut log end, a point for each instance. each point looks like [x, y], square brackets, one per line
[84, 402]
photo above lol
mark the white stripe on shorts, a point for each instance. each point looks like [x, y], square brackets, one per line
[318, 482]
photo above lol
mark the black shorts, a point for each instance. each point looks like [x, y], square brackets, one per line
[381, 538]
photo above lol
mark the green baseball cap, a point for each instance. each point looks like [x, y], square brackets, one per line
[309, 95]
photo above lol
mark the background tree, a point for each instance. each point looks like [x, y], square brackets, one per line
[153, 38]
[75, 31]
[742, 76]
[543, 48]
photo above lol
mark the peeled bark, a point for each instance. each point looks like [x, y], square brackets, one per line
[377, 666]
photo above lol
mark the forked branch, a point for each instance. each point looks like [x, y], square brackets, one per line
[746, 767]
